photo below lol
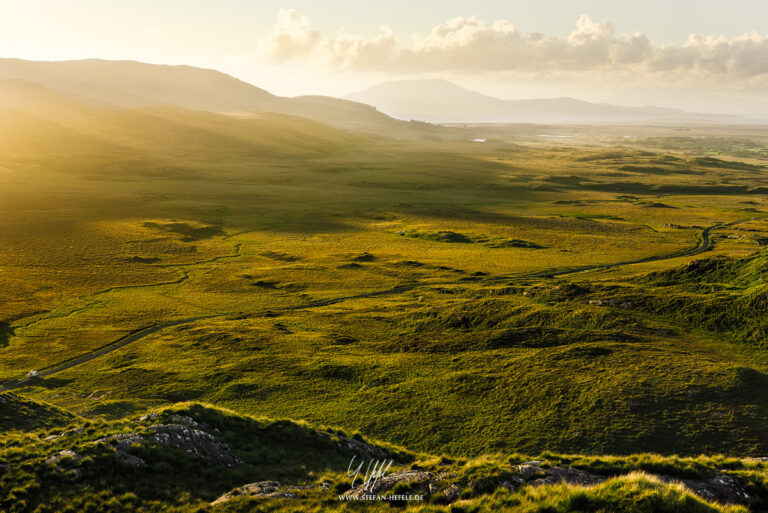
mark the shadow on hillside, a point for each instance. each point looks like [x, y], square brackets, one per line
[6, 332]
[51, 383]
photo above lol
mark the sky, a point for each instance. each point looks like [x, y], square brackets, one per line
[678, 53]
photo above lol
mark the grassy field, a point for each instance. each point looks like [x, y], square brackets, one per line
[401, 289]
[124, 466]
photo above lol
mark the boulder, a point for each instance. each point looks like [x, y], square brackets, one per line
[268, 489]
[568, 475]
[721, 488]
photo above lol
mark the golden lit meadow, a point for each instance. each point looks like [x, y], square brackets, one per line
[449, 297]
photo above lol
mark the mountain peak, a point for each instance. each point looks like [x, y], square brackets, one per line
[441, 101]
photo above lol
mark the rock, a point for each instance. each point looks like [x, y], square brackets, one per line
[482, 486]
[195, 442]
[556, 475]
[269, 489]
[452, 493]
[183, 419]
[530, 469]
[282, 495]
[54, 459]
[512, 485]
[130, 460]
[421, 480]
[722, 488]
[68, 432]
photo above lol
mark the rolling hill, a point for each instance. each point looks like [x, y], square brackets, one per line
[31, 115]
[129, 84]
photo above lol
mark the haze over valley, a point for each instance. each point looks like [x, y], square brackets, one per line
[509, 266]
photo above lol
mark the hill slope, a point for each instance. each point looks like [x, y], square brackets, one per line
[21, 414]
[31, 115]
[196, 458]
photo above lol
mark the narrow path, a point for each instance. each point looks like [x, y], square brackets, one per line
[704, 243]
[180, 269]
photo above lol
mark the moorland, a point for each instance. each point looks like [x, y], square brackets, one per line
[463, 299]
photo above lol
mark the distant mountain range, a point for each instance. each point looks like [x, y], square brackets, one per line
[129, 84]
[439, 101]
[381, 109]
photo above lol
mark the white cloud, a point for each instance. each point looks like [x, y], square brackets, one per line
[473, 46]
[293, 38]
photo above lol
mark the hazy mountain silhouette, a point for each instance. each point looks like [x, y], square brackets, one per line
[126, 84]
[440, 101]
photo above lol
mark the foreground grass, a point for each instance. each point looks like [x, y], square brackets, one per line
[312, 463]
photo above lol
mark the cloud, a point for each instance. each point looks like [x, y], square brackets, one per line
[473, 46]
[293, 38]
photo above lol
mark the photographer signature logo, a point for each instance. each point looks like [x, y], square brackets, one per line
[375, 470]
[366, 491]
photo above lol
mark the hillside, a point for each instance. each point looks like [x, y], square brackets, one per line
[31, 115]
[196, 458]
[439, 101]
[128, 84]
[19, 414]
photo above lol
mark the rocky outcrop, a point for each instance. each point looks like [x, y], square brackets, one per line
[55, 458]
[269, 489]
[721, 488]
[557, 475]
[419, 481]
[452, 493]
[197, 443]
